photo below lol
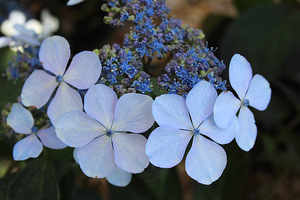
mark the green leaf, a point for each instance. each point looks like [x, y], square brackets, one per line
[266, 35]
[37, 181]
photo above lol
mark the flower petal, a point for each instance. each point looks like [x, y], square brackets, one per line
[96, 159]
[66, 99]
[49, 138]
[170, 110]
[29, 147]
[84, 70]
[99, 103]
[133, 113]
[15, 17]
[166, 146]
[205, 161]
[20, 119]
[225, 109]
[259, 93]
[119, 177]
[129, 151]
[37, 89]
[247, 132]
[221, 136]
[5, 41]
[200, 101]
[54, 54]
[73, 2]
[240, 74]
[76, 129]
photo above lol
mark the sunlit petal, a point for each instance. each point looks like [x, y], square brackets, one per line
[20, 119]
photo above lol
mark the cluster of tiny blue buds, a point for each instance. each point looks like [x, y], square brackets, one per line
[23, 63]
[190, 58]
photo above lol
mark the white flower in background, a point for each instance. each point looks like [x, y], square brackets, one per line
[74, 2]
[20, 32]
[252, 91]
[21, 121]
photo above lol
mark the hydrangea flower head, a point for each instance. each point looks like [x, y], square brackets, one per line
[181, 120]
[252, 91]
[82, 73]
[100, 134]
[21, 121]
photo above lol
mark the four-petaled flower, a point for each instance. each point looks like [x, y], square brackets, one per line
[180, 120]
[21, 121]
[82, 73]
[255, 92]
[100, 135]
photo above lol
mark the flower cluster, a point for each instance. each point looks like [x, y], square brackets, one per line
[102, 103]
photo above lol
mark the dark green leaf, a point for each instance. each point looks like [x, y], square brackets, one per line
[37, 181]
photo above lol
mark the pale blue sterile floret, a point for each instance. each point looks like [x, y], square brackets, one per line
[252, 91]
[21, 121]
[180, 121]
[100, 135]
[82, 73]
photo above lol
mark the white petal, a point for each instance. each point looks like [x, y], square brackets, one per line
[200, 101]
[166, 146]
[4, 41]
[205, 161]
[27, 39]
[38, 88]
[50, 23]
[96, 159]
[129, 151]
[15, 17]
[66, 99]
[99, 103]
[240, 74]
[170, 110]
[50, 139]
[133, 113]
[84, 70]
[54, 54]
[73, 2]
[221, 136]
[247, 132]
[225, 109]
[76, 129]
[20, 119]
[34, 25]
[259, 93]
[119, 177]
[29, 147]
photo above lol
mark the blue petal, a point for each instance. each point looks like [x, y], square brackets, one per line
[96, 159]
[166, 146]
[20, 119]
[129, 151]
[49, 139]
[200, 101]
[221, 136]
[247, 129]
[170, 110]
[225, 109]
[29, 147]
[205, 161]
[240, 74]
[119, 178]
[259, 93]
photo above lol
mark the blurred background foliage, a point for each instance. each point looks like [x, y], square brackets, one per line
[266, 32]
